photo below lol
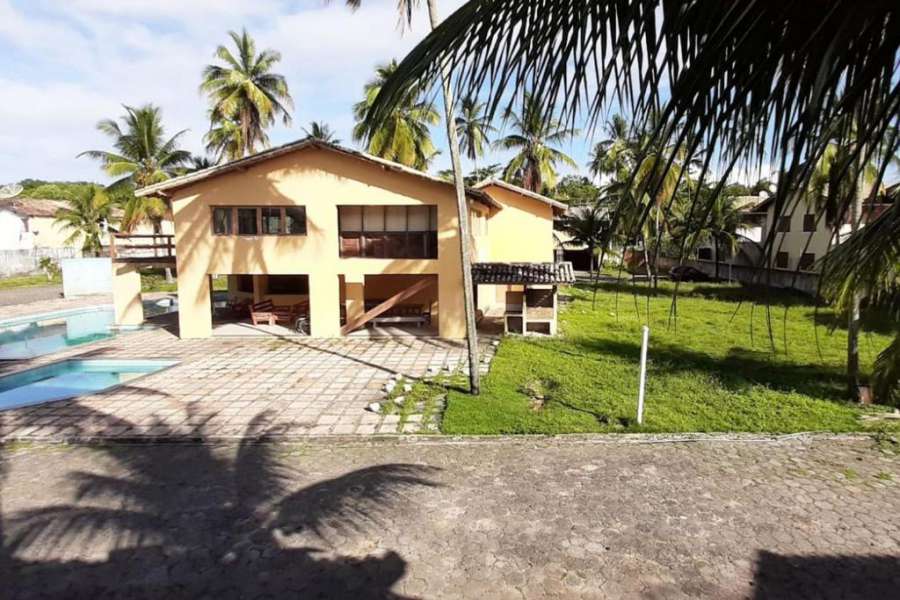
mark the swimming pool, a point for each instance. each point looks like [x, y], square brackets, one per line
[71, 378]
[38, 335]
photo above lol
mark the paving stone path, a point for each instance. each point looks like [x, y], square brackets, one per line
[528, 518]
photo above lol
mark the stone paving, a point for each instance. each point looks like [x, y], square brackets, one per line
[220, 385]
[598, 517]
[26, 295]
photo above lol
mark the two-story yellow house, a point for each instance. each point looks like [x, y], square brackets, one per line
[348, 238]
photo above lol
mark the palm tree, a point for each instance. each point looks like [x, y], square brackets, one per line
[85, 218]
[473, 128]
[535, 164]
[321, 131]
[589, 226]
[198, 163]
[143, 155]
[404, 135]
[406, 10]
[768, 86]
[616, 155]
[868, 263]
[246, 96]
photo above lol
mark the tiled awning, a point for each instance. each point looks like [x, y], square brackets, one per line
[522, 273]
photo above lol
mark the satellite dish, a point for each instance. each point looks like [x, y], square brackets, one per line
[10, 190]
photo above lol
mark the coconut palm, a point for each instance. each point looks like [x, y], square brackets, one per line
[473, 128]
[535, 164]
[321, 131]
[246, 97]
[406, 11]
[616, 155]
[85, 217]
[143, 154]
[768, 86]
[868, 264]
[404, 135]
[589, 226]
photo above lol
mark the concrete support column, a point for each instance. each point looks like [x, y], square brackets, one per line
[127, 294]
[324, 305]
[354, 291]
[451, 308]
[194, 306]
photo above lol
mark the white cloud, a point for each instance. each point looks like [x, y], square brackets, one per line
[66, 65]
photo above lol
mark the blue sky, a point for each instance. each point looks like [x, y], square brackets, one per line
[64, 65]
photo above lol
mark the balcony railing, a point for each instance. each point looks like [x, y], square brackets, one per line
[147, 248]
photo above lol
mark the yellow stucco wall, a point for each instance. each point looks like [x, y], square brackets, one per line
[320, 180]
[522, 231]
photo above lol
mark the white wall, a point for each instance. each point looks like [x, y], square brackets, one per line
[12, 232]
[84, 276]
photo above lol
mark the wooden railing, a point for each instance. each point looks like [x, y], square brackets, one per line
[149, 248]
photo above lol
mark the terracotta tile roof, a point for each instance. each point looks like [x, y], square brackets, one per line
[521, 273]
[32, 207]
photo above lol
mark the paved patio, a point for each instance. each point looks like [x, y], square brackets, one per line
[523, 518]
[220, 386]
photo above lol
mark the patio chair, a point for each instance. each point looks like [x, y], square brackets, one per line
[263, 312]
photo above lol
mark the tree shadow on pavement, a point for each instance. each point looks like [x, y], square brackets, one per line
[199, 520]
[835, 576]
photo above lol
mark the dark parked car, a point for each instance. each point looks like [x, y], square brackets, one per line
[687, 273]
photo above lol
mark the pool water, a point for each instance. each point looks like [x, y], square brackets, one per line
[71, 378]
[37, 336]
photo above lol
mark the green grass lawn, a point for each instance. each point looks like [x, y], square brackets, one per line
[27, 281]
[713, 369]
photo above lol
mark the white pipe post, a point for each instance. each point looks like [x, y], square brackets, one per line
[643, 376]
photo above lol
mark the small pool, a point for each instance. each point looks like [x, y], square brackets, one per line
[43, 334]
[71, 378]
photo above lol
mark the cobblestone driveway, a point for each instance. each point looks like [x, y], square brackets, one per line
[437, 519]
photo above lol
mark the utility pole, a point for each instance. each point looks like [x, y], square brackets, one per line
[463, 215]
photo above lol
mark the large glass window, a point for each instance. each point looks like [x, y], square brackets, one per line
[265, 220]
[388, 231]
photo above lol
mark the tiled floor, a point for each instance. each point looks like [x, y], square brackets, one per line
[223, 388]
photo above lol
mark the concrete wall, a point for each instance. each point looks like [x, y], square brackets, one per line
[320, 180]
[25, 262]
[86, 276]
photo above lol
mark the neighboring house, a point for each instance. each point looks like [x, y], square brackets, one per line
[350, 238]
[28, 223]
[801, 238]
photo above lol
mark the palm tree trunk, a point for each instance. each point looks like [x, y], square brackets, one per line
[656, 252]
[716, 254]
[463, 215]
[853, 318]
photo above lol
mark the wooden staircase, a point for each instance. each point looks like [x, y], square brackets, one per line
[387, 305]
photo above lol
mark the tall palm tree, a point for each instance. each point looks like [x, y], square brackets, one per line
[246, 97]
[321, 131]
[616, 155]
[768, 86]
[402, 136]
[868, 264]
[473, 128]
[143, 155]
[536, 162]
[85, 217]
[406, 10]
